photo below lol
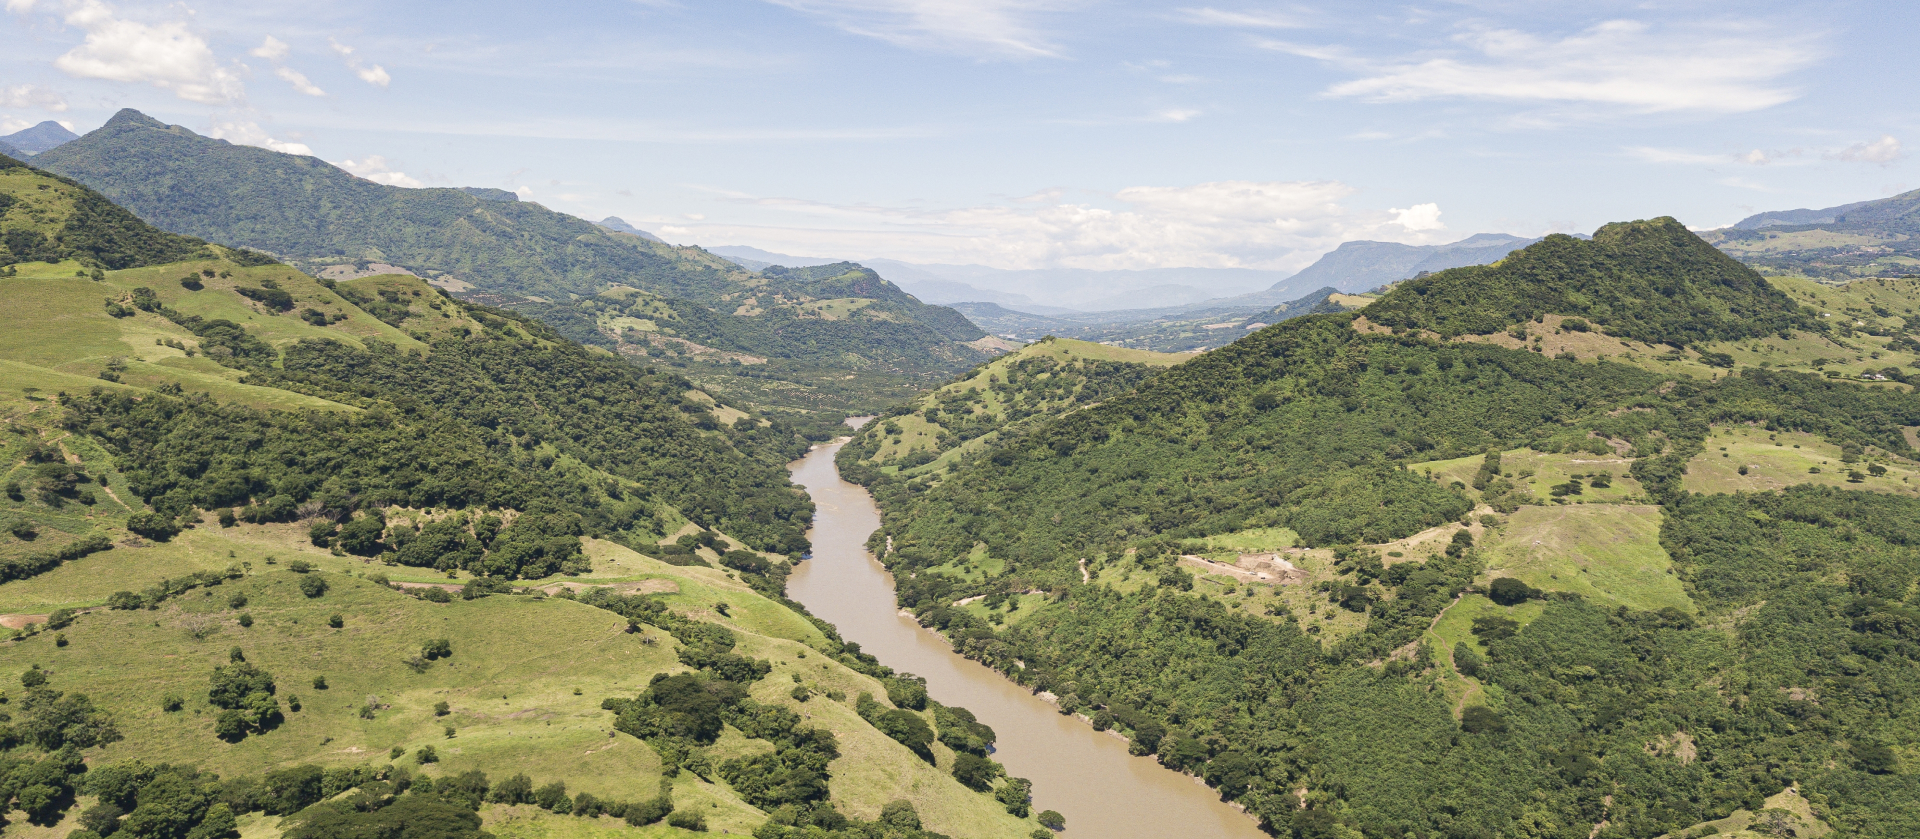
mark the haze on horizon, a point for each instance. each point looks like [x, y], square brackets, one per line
[1036, 134]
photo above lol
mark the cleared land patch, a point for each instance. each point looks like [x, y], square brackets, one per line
[1774, 461]
[1607, 553]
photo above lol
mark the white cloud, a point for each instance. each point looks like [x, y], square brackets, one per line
[1279, 225]
[374, 168]
[996, 28]
[375, 75]
[251, 134]
[166, 55]
[272, 49]
[1883, 151]
[299, 81]
[1419, 217]
[1175, 115]
[31, 96]
[372, 74]
[1623, 64]
[1242, 20]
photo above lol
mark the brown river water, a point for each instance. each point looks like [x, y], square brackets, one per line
[1087, 776]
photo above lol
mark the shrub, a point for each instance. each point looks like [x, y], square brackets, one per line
[1051, 820]
[688, 820]
[313, 586]
[154, 526]
[437, 648]
[426, 755]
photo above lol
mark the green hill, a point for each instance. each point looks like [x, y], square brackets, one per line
[826, 341]
[934, 434]
[1650, 281]
[1424, 577]
[274, 545]
[819, 325]
[51, 219]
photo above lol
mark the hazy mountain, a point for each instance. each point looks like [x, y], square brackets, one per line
[40, 138]
[1359, 266]
[755, 259]
[619, 225]
[12, 152]
[1879, 238]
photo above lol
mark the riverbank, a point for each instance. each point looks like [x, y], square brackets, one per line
[1086, 775]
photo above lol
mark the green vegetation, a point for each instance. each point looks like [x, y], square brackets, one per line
[231, 531]
[996, 400]
[1837, 244]
[827, 340]
[1507, 615]
[832, 339]
[1650, 281]
[47, 218]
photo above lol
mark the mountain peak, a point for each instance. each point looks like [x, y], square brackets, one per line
[46, 135]
[1650, 280]
[130, 118]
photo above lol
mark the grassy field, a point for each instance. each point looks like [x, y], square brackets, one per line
[1607, 553]
[525, 684]
[1779, 460]
[1539, 472]
[1786, 809]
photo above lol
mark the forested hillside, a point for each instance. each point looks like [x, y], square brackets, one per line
[936, 434]
[289, 556]
[1411, 572]
[819, 326]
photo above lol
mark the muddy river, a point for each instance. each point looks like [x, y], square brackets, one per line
[1087, 776]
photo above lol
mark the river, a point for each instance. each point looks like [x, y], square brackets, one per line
[1087, 776]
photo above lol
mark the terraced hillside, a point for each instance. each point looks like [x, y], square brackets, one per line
[288, 556]
[1522, 549]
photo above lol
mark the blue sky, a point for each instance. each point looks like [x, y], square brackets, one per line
[1043, 133]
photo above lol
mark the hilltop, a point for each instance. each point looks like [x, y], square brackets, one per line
[935, 434]
[271, 540]
[1524, 538]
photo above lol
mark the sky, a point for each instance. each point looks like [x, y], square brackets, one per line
[1029, 133]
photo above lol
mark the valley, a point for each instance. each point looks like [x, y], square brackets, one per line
[1604, 536]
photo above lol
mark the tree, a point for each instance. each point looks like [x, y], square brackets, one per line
[974, 771]
[1508, 591]
[1051, 820]
[1479, 719]
[1016, 795]
[154, 526]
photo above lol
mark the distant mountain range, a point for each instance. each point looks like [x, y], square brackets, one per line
[1879, 238]
[40, 138]
[1150, 293]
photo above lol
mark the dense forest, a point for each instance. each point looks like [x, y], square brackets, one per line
[1794, 670]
